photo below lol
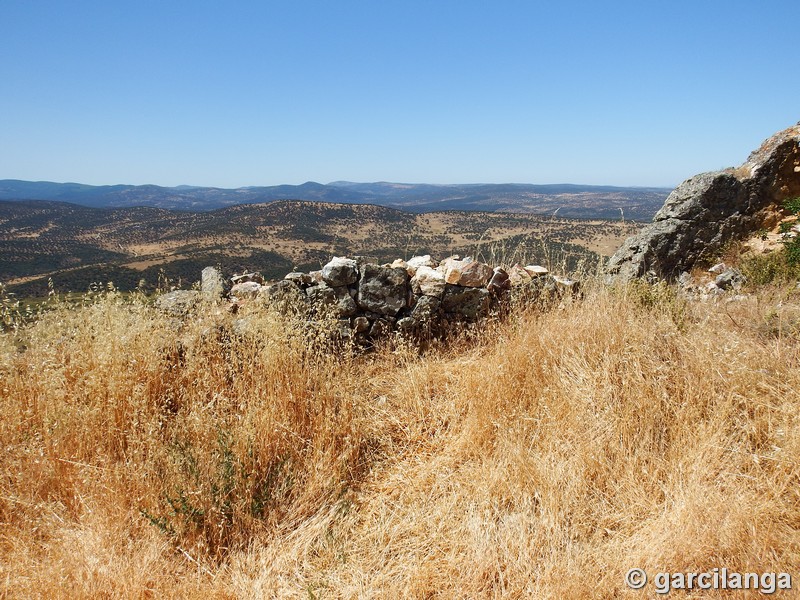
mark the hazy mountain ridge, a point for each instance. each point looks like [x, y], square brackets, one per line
[570, 200]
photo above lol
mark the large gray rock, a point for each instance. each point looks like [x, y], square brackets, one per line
[382, 290]
[287, 297]
[712, 209]
[178, 303]
[466, 302]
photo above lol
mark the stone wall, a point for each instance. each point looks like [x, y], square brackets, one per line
[418, 297]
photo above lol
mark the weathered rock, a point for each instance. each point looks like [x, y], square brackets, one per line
[321, 295]
[428, 282]
[246, 289]
[360, 324]
[565, 286]
[245, 277]
[316, 277]
[536, 270]
[286, 297]
[728, 278]
[466, 302]
[302, 280]
[499, 282]
[518, 275]
[340, 271]
[178, 303]
[212, 284]
[467, 273]
[407, 325]
[475, 274]
[709, 210]
[398, 263]
[426, 308]
[380, 328]
[420, 261]
[345, 303]
[382, 290]
[717, 268]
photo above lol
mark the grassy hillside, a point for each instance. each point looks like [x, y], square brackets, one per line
[543, 458]
[77, 247]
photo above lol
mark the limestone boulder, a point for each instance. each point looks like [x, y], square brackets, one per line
[428, 282]
[340, 271]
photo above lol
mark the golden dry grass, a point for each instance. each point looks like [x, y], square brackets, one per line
[542, 460]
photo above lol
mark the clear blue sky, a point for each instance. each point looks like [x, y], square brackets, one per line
[260, 93]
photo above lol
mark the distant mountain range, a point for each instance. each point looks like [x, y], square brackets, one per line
[566, 200]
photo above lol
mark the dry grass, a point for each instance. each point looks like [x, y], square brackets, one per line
[541, 461]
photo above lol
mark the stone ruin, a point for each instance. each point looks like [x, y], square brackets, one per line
[417, 298]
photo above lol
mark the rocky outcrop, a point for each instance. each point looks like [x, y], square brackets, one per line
[712, 209]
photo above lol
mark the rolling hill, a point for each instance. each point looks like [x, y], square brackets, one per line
[78, 246]
[574, 201]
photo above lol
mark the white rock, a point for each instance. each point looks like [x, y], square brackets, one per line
[536, 270]
[246, 289]
[717, 268]
[429, 281]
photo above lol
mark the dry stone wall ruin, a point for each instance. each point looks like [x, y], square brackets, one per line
[418, 297]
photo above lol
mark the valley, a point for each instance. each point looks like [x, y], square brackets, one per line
[78, 246]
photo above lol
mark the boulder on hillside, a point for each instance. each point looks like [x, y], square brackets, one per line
[712, 209]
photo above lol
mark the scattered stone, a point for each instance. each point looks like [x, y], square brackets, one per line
[379, 328]
[399, 263]
[246, 277]
[340, 271]
[345, 303]
[566, 285]
[500, 281]
[475, 274]
[420, 261]
[286, 296]
[728, 278]
[321, 295]
[407, 324]
[426, 309]
[518, 275]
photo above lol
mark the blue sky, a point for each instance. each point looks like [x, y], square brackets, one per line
[259, 93]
